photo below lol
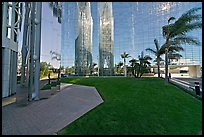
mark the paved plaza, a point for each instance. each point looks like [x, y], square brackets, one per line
[55, 110]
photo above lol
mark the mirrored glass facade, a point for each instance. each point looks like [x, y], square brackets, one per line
[83, 42]
[136, 25]
[106, 40]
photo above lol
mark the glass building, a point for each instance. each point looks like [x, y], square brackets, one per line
[135, 26]
[106, 29]
[83, 42]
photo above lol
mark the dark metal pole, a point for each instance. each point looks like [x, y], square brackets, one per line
[37, 49]
[32, 42]
[24, 47]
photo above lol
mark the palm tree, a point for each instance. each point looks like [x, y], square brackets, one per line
[133, 64]
[92, 67]
[119, 65]
[175, 33]
[157, 52]
[139, 67]
[172, 52]
[56, 56]
[143, 63]
[124, 56]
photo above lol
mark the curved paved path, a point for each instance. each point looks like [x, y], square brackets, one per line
[48, 116]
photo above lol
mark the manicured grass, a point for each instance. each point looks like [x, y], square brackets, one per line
[137, 106]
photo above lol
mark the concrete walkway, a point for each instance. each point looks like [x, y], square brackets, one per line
[22, 94]
[47, 116]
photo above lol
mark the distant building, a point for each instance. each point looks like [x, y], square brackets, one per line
[183, 61]
[106, 63]
[83, 42]
[185, 67]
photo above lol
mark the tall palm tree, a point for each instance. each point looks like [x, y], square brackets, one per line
[124, 56]
[175, 33]
[157, 52]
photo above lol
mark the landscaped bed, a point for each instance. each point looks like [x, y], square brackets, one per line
[137, 106]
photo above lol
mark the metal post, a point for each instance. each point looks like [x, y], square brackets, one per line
[4, 23]
[197, 88]
[32, 42]
[37, 49]
[13, 21]
[24, 45]
[98, 65]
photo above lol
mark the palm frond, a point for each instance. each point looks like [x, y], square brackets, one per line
[151, 50]
[188, 16]
[174, 55]
[125, 55]
[193, 26]
[185, 28]
[193, 10]
[120, 64]
[161, 59]
[167, 29]
[162, 49]
[188, 40]
[133, 62]
[147, 57]
[156, 44]
[187, 22]
[175, 48]
[170, 19]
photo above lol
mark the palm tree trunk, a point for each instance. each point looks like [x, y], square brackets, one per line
[158, 68]
[125, 72]
[138, 72]
[166, 66]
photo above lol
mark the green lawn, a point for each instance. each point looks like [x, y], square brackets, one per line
[137, 106]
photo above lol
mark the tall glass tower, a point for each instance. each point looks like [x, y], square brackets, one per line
[106, 64]
[83, 42]
[68, 34]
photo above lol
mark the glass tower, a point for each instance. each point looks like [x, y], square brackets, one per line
[106, 64]
[68, 34]
[83, 42]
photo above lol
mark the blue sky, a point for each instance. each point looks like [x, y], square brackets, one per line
[136, 24]
[51, 35]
